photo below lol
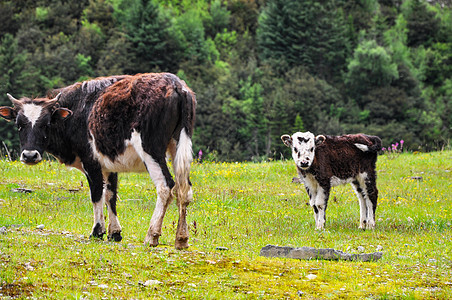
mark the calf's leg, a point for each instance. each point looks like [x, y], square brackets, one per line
[359, 188]
[320, 205]
[366, 190]
[371, 200]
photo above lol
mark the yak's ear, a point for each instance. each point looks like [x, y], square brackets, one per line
[287, 140]
[319, 139]
[8, 113]
[61, 114]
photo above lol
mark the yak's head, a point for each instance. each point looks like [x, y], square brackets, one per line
[303, 146]
[33, 119]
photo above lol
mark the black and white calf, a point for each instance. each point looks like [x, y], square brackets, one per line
[326, 161]
[116, 124]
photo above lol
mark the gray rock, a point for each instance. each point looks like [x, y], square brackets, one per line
[40, 226]
[22, 190]
[152, 283]
[222, 248]
[314, 253]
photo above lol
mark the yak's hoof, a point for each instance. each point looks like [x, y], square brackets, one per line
[96, 236]
[152, 240]
[181, 243]
[115, 237]
[97, 233]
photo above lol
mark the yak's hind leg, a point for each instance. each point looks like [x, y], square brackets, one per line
[371, 200]
[110, 196]
[161, 177]
[182, 158]
[367, 193]
[357, 186]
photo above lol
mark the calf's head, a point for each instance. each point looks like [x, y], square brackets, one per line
[33, 119]
[303, 146]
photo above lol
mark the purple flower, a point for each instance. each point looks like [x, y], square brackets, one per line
[383, 149]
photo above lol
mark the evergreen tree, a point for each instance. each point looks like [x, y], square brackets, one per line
[423, 25]
[371, 67]
[308, 33]
[154, 44]
[13, 80]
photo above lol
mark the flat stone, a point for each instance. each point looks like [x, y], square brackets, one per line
[152, 282]
[222, 248]
[309, 253]
[22, 190]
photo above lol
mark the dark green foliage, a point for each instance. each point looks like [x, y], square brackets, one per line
[260, 68]
[422, 23]
[14, 79]
[307, 33]
[153, 45]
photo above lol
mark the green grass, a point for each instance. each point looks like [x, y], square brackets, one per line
[241, 206]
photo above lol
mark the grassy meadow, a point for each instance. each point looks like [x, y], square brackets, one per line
[238, 206]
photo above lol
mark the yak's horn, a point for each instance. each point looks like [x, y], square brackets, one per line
[14, 100]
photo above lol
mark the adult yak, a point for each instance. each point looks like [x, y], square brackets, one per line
[116, 124]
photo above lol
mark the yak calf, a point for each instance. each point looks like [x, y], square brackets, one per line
[326, 161]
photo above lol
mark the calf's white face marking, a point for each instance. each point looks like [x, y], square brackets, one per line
[303, 148]
[32, 112]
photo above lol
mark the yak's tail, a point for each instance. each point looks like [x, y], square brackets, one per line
[368, 143]
[184, 153]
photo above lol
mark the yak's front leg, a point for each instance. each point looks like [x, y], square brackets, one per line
[319, 206]
[312, 193]
[110, 196]
[94, 176]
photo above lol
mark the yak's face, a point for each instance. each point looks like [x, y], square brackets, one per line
[303, 146]
[33, 119]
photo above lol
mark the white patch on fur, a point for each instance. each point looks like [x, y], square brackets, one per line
[362, 147]
[129, 161]
[32, 112]
[91, 86]
[77, 164]
[335, 181]
[184, 152]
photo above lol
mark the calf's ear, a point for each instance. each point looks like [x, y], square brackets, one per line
[319, 139]
[61, 114]
[287, 140]
[8, 113]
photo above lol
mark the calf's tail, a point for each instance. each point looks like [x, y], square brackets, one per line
[367, 143]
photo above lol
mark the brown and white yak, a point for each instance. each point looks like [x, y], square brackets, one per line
[116, 124]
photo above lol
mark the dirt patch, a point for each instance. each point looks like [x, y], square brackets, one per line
[15, 290]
